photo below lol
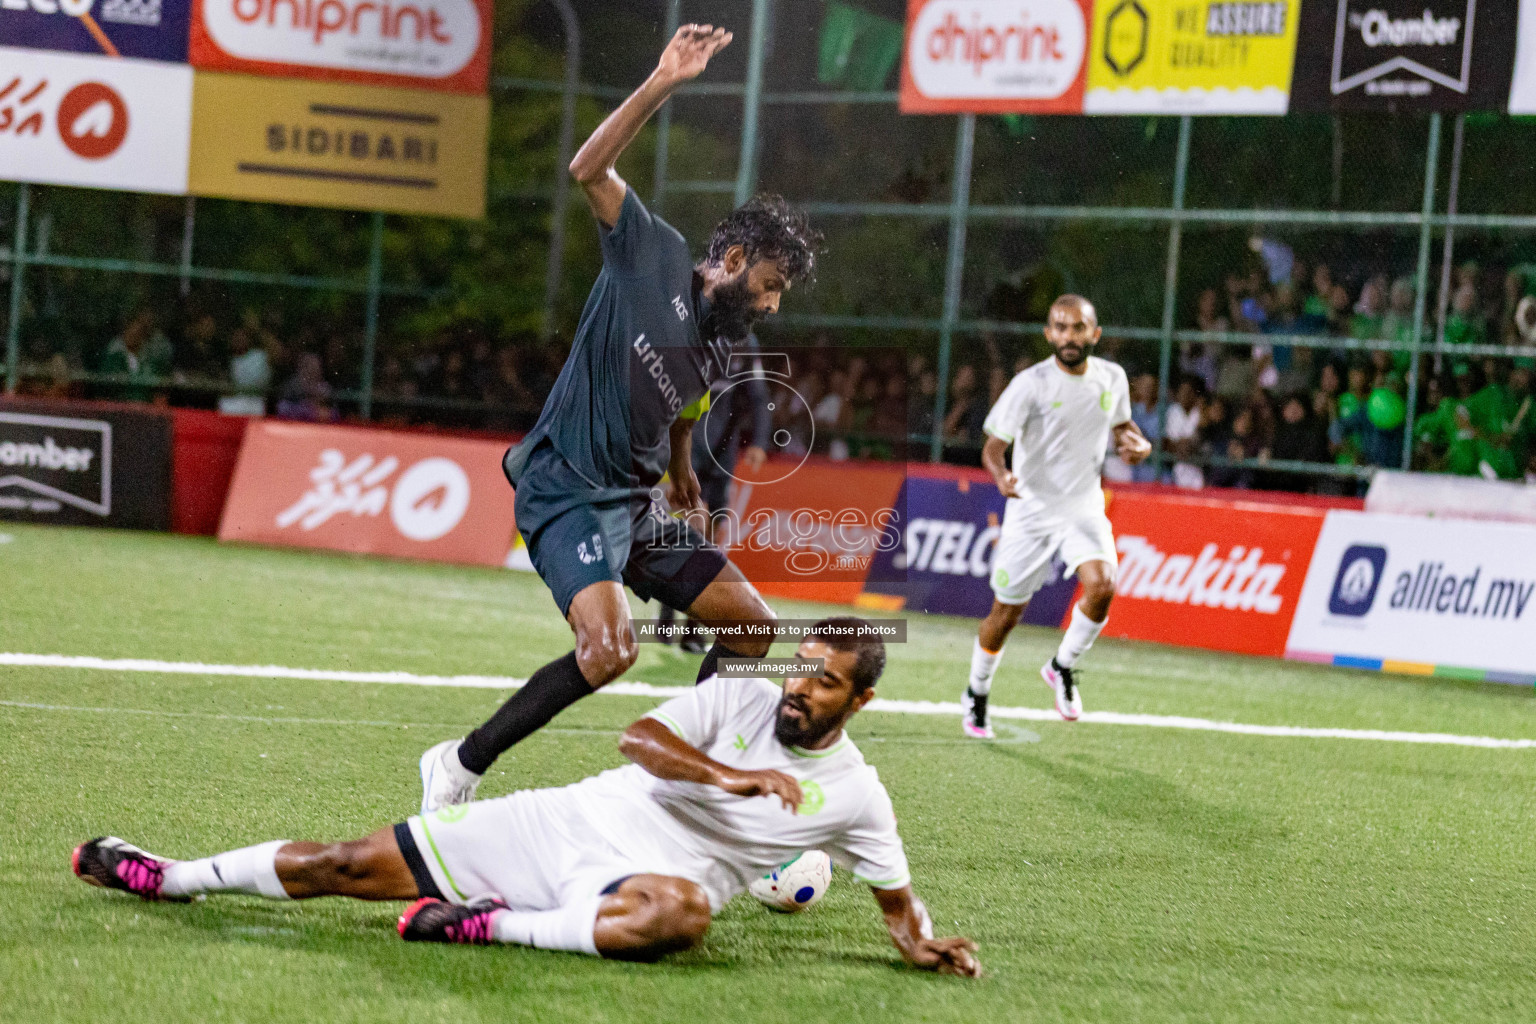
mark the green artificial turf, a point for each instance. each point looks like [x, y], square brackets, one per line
[1109, 872]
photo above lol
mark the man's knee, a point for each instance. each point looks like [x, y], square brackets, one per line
[340, 863]
[604, 659]
[675, 916]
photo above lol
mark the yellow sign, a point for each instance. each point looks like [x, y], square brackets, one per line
[1184, 57]
[327, 144]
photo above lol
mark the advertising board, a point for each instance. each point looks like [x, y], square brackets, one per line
[1207, 573]
[153, 29]
[1522, 90]
[423, 44]
[995, 56]
[378, 492]
[81, 464]
[1421, 596]
[1173, 56]
[101, 122]
[329, 144]
[1403, 55]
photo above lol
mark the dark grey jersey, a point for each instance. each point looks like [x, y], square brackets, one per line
[637, 360]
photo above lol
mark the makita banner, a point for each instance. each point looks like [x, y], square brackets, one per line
[380, 492]
[1421, 596]
[943, 559]
[84, 464]
[1203, 572]
[1403, 55]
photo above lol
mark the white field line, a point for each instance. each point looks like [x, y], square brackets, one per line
[635, 689]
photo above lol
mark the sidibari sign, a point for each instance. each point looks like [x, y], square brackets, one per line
[434, 44]
[994, 56]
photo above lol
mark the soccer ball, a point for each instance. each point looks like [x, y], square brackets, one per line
[796, 885]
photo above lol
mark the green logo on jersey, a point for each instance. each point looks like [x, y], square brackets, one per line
[815, 799]
[741, 742]
[1000, 578]
[452, 813]
[1055, 405]
[1105, 401]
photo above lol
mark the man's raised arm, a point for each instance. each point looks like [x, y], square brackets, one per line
[593, 166]
[666, 755]
[905, 923]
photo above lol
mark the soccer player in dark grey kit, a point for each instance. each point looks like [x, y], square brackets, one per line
[656, 330]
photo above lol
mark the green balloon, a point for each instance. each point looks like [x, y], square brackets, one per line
[1348, 404]
[1385, 409]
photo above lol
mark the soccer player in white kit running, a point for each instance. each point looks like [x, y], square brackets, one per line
[729, 780]
[1058, 416]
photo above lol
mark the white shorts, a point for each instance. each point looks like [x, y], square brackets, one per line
[1021, 564]
[532, 849]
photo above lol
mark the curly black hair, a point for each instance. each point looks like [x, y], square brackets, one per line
[768, 228]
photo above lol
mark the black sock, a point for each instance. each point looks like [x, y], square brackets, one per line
[548, 691]
[711, 663]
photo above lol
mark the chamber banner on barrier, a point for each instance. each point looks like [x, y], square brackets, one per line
[99, 122]
[995, 56]
[154, 29]
[85, 464]
[1406, 55]
[379, 492]
[423, 44]
[1198, 572]
[1177, 57]
[1421, 596]
[332, 144]
[942, 561]
[1522, 92]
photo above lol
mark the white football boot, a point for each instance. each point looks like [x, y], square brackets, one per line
[444, 781]
[1069, 702]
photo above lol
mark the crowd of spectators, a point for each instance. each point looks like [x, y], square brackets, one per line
[1239, 415]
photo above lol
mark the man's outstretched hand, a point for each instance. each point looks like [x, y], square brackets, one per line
[947, 956]
[688, 54]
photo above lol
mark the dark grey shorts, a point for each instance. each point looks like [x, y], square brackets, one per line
[574, 542]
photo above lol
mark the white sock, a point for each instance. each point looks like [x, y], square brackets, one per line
[570, 928]
[983, 665]
[1080, 635]
[252, 870]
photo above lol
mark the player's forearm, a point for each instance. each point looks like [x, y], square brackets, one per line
[680, 437]
[994, 456]
[901, 919]
[596, 158]
[663, 754]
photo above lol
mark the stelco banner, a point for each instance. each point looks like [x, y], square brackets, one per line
[371, 491]
[328, 144]
[943, 560]
[1404, 55]
[81, 464]
[1421, 596]
[995, 56]
[95, 121]
[1172, 56]
[154, 29]
[428, 44]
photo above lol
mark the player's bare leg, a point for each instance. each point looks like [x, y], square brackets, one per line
[650, 916]
[605, 650]
[731, 600]
[985, 655]
[1098, 582]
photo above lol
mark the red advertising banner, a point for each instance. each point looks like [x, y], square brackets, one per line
[809, 530]
[995, 56]
[440, 499]
[422, 44]
[1218, 574]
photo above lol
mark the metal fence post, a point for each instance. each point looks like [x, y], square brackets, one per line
[371, 317]
[1171, 283]
[959, 210]
[188, 226]
[746, 165]
[18, 269]
[555, 268]
[1452, 202]
[664, 123]
[1426, 233]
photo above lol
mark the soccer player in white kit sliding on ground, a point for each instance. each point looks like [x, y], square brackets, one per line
[1058, 416]
[729, 780]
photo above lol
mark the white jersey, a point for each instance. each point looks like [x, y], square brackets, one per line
[1059, 424]
[725, 842]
